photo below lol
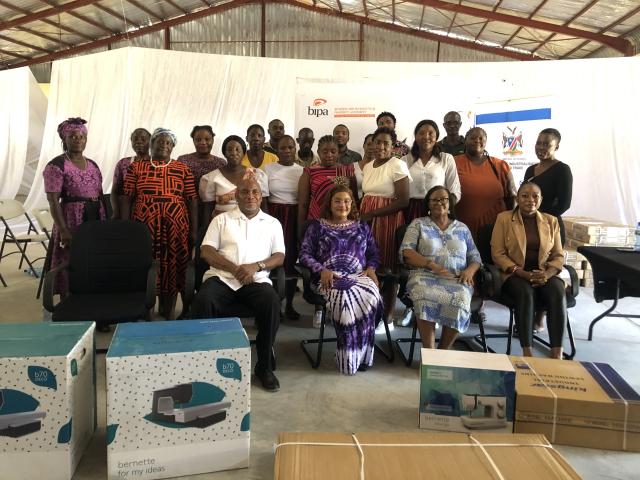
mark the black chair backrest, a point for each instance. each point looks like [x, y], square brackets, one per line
[484, 243]
[400, 231]
[110, 257]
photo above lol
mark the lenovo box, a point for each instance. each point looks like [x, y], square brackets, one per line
[466, 391]
[177, 398]
[47, 398]
[417, 455]
[576, 403]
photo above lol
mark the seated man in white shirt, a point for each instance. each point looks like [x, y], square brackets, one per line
[242, 246]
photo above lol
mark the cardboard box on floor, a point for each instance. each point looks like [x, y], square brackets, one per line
[466, 391]
[177, 398]
[47, 398]
[411, 456]
[576, 403]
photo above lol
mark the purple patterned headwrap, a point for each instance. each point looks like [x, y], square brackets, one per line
[71, 125]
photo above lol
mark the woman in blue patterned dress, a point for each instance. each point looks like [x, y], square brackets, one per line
[443, 260]
[342, 256]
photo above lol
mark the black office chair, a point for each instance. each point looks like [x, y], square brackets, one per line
[317, 300]
[494, 293]
[476, 304]
[112, 275]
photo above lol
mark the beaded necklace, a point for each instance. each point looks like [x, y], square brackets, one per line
[160, 166]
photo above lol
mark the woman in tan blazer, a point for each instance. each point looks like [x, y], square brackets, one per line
[527, 249]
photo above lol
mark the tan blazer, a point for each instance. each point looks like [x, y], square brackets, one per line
[509, 242]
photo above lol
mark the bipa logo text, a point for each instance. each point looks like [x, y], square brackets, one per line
[316, 111]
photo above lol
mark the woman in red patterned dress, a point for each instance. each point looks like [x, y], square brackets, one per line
[166, 201]
[315, 182]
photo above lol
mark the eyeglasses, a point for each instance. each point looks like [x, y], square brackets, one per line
[442, 200]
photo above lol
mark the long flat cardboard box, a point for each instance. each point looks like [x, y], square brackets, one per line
[412, 456]
[583, 404]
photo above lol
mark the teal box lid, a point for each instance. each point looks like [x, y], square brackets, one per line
[152, 338]
[45, 339]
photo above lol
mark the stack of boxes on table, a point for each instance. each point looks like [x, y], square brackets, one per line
[582, 231]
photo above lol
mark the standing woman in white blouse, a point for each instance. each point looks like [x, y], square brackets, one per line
[385, 185]
[368, 156]
[429, 166]
[283, 177]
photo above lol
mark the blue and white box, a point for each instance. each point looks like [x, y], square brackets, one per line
[47, 398]
[178, 398]
[466, 391]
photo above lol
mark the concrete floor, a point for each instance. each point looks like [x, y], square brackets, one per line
[385, 398]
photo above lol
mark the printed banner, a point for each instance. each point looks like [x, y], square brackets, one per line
[512, 130]
[323, 104]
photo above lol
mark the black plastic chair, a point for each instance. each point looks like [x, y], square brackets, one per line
[112, 275]
[317, 300]
[494, 293]
[476, 304]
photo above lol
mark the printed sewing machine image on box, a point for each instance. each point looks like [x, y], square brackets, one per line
[47, 398]
[177, 398]
[466, 391]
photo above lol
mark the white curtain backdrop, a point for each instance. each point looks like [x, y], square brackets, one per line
[23, 107]
[596, 103]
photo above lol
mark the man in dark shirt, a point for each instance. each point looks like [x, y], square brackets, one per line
[345, 156]
[388, 120]
[276, 132]
[453, 143]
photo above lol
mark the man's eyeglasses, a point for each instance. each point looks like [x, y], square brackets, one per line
[442, 200]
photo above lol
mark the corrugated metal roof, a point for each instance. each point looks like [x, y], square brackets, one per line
[33, 31]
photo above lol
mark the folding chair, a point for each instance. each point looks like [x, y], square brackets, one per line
[45, 222]
[317, 300]
[476, 304]
[11, 210]
[495, 294]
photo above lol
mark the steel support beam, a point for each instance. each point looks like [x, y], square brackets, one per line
[263, 28]
[48, 12]
[136, 33]
[410, 31]
[620, 44]
[146, 10]
[495, 7]
[582, 11]
[83, 18]
[117, 15]
[23, 44]
[608, 27]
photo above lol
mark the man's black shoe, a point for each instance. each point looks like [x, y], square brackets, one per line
[268, 380]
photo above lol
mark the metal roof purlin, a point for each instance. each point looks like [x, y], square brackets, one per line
[619, 44]
[48, 12]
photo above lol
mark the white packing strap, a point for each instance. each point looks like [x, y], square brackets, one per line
[555, 400]
[626, 407]
[359, 446]
[486, 454]
[361, 453]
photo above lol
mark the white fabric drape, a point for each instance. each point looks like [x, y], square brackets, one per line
[23, 107]
[595, 102]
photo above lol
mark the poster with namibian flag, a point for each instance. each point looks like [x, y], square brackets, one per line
[512, 128]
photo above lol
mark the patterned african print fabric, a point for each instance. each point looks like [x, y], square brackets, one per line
[321, 181]
[354, 302]
[161, 194]
[436, 299]
[199, 166]
[62, 176]
[384, 229]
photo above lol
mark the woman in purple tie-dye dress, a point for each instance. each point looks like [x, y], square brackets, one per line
[342, 256]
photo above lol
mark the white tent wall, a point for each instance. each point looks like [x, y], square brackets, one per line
[23, 107]
[594, 106]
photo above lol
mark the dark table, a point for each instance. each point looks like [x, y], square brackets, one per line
[616, 274]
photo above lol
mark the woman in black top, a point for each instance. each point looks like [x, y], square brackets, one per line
[556, 183]
[552, 176]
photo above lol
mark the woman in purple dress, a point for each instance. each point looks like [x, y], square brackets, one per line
[342, 256]
[140, 139]
[74, 190]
